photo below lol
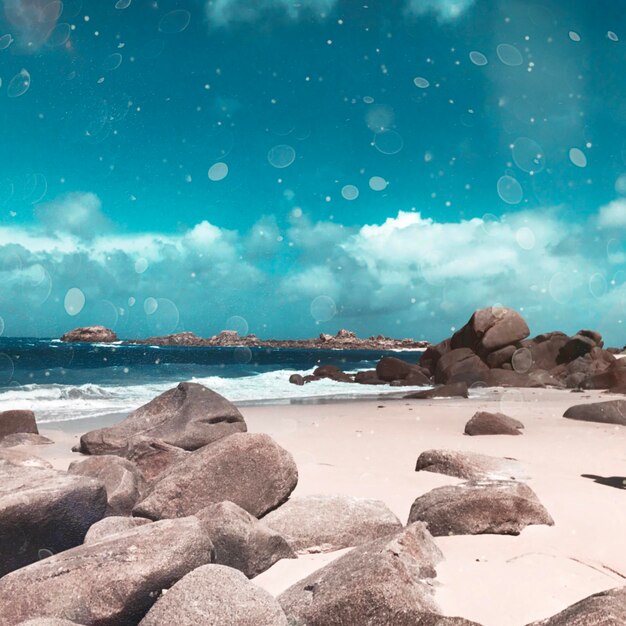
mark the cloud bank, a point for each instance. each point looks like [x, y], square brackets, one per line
[221, 12]
[443, 10]
[407, 276]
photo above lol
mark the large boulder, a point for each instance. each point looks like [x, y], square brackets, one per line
[108, 583]
[470, 465]
[214, 595]
[122, 479]
[430, 357]
[379, 583]
[43, 511]
[610, 412]
[510, 378]
[47, 621]
[502, 507]
[545, 349]
[460, 365]
[154, 456]
[111, 526]
[368, 377]
[17, 421]
[499, 357]
[490, 329]
[577, 346]
[390, 368]
[188, 416]
[251, 470]
[241, 540]
[323, 523]
[607, 608]
[24, 439]
[485, 423]
[613, 376]
[453, 390]
[90, 334]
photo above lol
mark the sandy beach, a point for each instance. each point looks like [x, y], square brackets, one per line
[369, 448]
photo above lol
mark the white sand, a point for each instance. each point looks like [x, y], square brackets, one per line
[358, 449]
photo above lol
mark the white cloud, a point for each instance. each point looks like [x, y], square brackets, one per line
[613, 215]
[443, 10]
[221, 12]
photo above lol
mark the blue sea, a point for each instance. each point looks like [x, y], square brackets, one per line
[63, 382]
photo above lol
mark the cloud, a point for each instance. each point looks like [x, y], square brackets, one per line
[613, 215]
[221, 12]
[443, 10]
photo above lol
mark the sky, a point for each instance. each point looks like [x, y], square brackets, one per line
[287, 168]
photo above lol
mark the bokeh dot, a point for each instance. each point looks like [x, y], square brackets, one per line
[525, 238]
[478, 58]
[509, 55]
[323, 309]
[150, 306]
[350, 192]
[421, 82]
[74, 301]
[281, 156]
[510, 190]
[218, 171]
[141, 265]
[578, 157]
[378, 183]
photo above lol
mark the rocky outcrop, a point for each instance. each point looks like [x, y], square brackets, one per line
[241, 540]
[111, 526]
[378, 583]
[17, 421]
[110, 582]
[323, 523]
[485, 423]
[460, 365]
[251, 470]
[453, 390]
[478, 507]
[214, 595]
[607, 608]
[154, 456]
[189, 416]
[123, 481]
[24, 439]
[90, 334]
[44, 511]
[469, 465]
[610, 412]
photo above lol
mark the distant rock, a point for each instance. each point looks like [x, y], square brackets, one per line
[251, 470]
[44, 511]
[323, 523]
[453, 390]
[154, 456]
[241, 540]
[377, 583]
[332, 372]
[607, 608]
[108, 583]
[176, 339]
[111, 526]
[188, 416]
[24, 439]
[122, 479]
[90, 334]
[610, 412]
[485, 423]
[296, 379]
[470, 465]
[368, 377]
[214, 595]
[17, 421]
[496, 507]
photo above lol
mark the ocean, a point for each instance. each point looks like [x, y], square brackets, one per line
[63, 382]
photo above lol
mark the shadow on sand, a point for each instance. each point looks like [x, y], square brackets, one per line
[619, 482]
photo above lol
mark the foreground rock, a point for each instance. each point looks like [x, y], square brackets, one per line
[607, 608]
[251, 470]
[111, 526]
[122, 479]
[453, 390]
[154, 456]
[23, 459]
[19, 421]
[189, 416]
[325, 523]
[214, 595]
[474, 508]
[44, 511]
[610, 412]
[24, 439]
[241, 541]
[378, 584]
[485, 423]
[470, 465]
[108, 583]
[90, 334]
[48, 621]
[439, 620]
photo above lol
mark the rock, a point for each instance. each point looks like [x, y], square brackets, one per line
[90, 334]
[154, 456]
[470, 465]
[376, 584]
[111, 526]
[189, 416]
[440, 620]
[17, 421]
[323, 523]
[490, 329]
[332, 372]
[509, 378]
[432, 354]
[596, 337]
[368, 377]
[485, 423]
[416, 378]
[41, 511]
[296, 379]
[577, 346]
[453, 390]
[544, 349]
[108, 583]
[502, 507]
[501, 356]
[612, 376]
[460, 365]
[23, 459]
[251, 470]
[214, 595]
[241, 540]
[607, 608]
[610, 412]
[309, 378]
[24, 439]
[390, 368]
[48, 621]
[122, 479]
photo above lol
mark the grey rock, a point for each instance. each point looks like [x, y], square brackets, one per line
[111, 526]
[323, 523]
[485, 423]
[610, 412]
